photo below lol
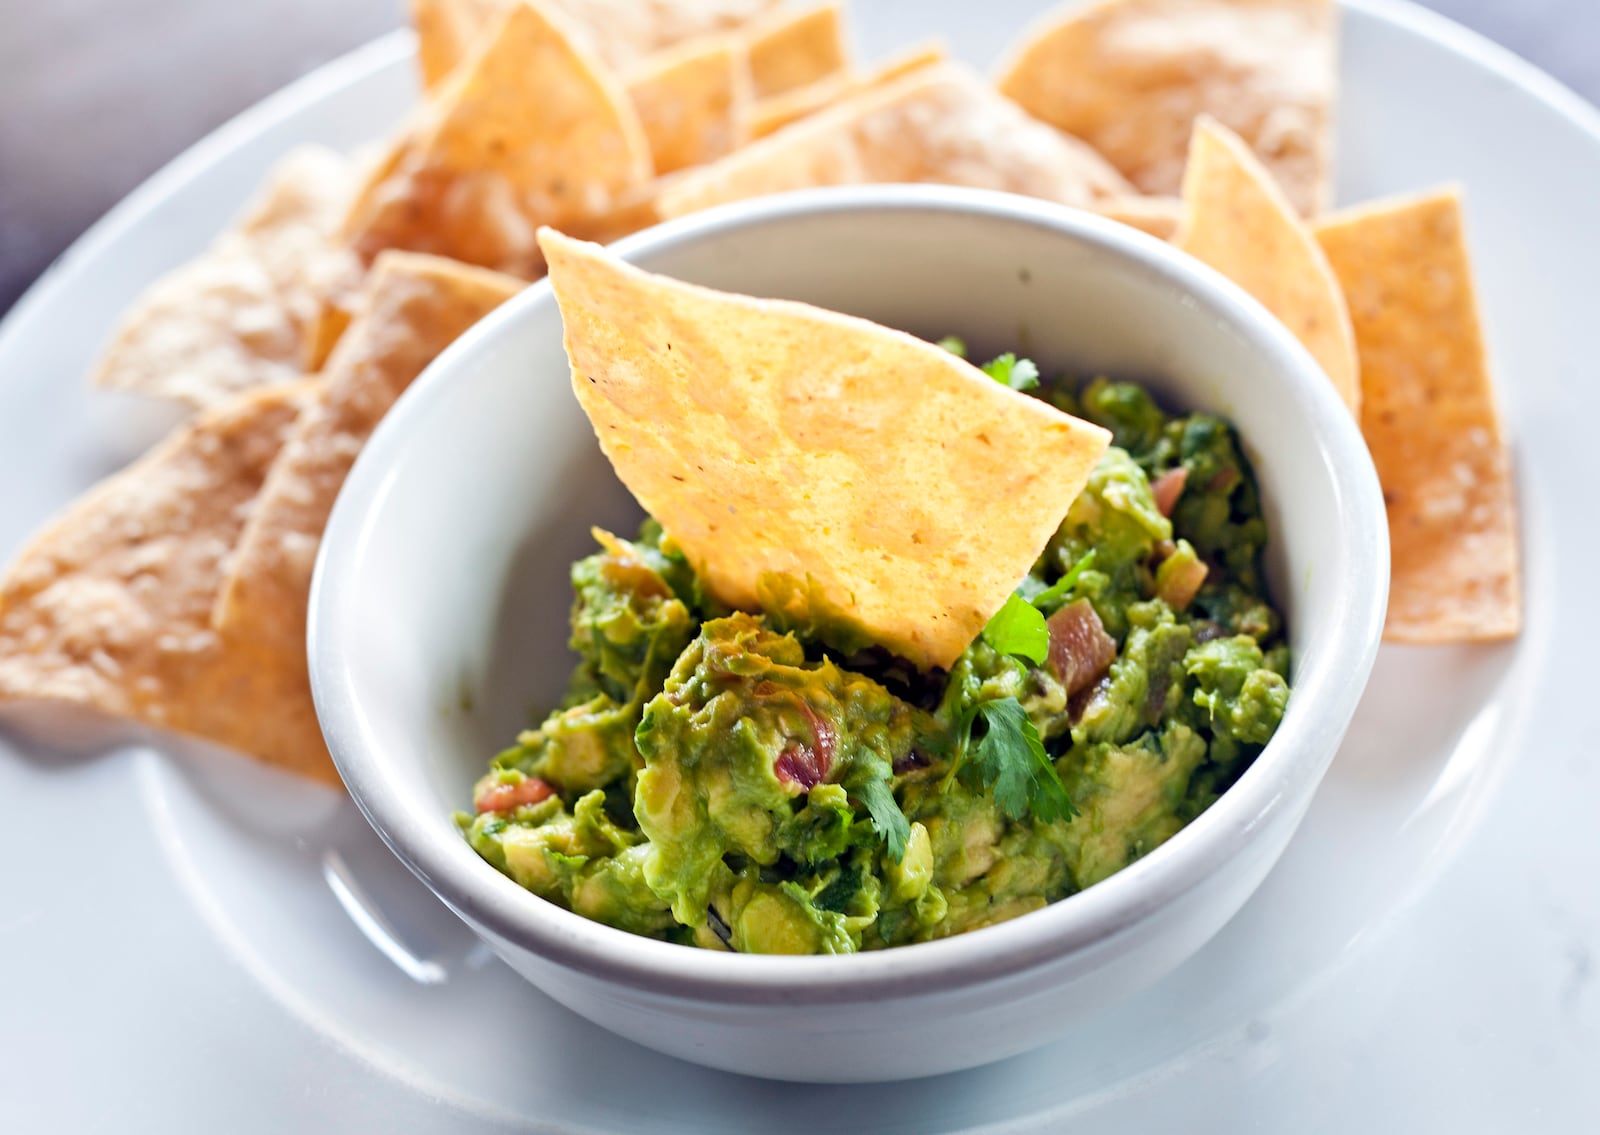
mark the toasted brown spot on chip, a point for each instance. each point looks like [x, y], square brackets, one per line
[938, 124]
[793, 49]
[694, 102]
[238, 315]
[1131, 76]
[1430, 419]
[110, 607]
[411, 308]
[530, 129]
[833, 458]
[1237, 221]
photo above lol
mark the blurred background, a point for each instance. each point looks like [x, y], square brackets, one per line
[98, 94]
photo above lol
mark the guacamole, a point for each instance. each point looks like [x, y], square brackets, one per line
[721, 779]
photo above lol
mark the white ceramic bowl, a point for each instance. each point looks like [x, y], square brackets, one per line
[438, 619]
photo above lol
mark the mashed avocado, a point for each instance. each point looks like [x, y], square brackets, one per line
[715, 779]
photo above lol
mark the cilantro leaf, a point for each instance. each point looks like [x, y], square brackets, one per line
[1065, 584]
[1018, 628]
[1010, 760]
[955, 345]
[1008, 370]
[887, 818]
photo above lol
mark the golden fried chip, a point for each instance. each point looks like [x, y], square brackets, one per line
[1428, 413]
[624, 33]
[1237, 221]
[1130, 76]
[1158, 216]
[411, 308]
[801, 454]
[694, 102]
[532, 129]
[110, 607]
[792, 49]
[448, 31]
[938, 124]
[774, 113]
[238, 315]
[324, 335]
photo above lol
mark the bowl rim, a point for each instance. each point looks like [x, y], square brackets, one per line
[1328, 692]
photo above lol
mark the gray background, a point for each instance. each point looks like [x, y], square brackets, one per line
[95, 95]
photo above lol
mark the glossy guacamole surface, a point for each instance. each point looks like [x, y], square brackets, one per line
[717, 780]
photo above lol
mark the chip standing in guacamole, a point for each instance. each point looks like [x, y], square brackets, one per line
[720, 779]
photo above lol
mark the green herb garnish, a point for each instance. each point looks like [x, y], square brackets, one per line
[887, 818]
[1018, 628]
[1009, 760]
[1008, 370]
[1065, 584]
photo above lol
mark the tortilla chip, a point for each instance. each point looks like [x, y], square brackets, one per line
[324, 335]
[1237, 221]
[773, 114]
[237, 315]
[793, 49]
[1428, 413]
[694, 102]
[1130, 77]
[411, 308]
[448, 32]
[110, 607]
[938, 124]
[531, 129]
[624, 33]
[794, 452]
[1158, 216]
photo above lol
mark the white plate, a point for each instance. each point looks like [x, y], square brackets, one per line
[190, 942]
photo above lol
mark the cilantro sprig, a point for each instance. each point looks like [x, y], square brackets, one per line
[1008, 370]
[1009, 761]
[1019, 628]
[887, 819]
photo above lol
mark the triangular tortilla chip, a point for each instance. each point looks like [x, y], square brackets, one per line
[532, 129]
[1130, 76]
[411, 308]
[939, 124]
[773, 114]
[110, 607]
[693, 102]
[237, 316]
[794, 451]
[1428, 413]
[791, 49]
[1237, 221]
[1158, 216]
[624, 33]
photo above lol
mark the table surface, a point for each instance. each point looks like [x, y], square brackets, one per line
[112, 89]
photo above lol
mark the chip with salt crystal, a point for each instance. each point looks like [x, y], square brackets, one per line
[110, 607]
[411, 308]
[1131, 76]
[239, 315]
[1428, 413]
